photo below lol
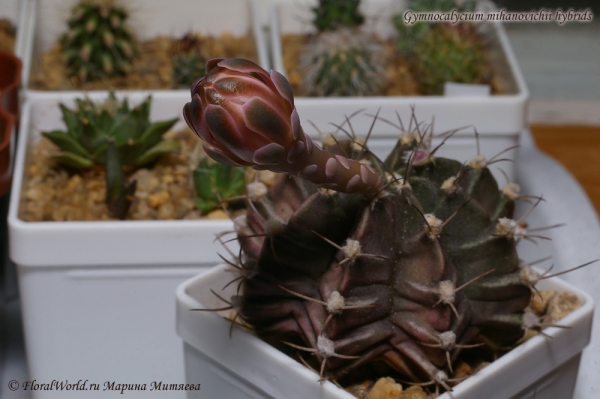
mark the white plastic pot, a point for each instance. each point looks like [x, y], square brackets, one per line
[498, 118]
[243, 366]
[149, 18]
[97, 297]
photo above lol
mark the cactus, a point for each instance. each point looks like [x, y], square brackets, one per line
[450, 53]
[339, 60]
[187, 68]
[218, 184]
[410, 261]
[443, 52]
[98, 43]
[409, 34]
[341, 63]
[111, 135]
[188, 60]
[334, 14]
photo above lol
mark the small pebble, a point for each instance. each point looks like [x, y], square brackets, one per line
[168, 179]
[182, 170]
[34, 194]
[192, 215]
[74, 181]
[33, 170]
[217, 214]
[165, 211]
[463, 370]
[386, 388]
[158, 199]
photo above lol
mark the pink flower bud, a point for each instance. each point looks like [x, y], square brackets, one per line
[247, 117]
[244, 114]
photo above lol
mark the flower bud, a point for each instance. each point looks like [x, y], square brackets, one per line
[245, 115]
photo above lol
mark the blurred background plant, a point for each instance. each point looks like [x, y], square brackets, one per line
[98, 43]
[340, 60]
[111, 135]
[444, 52]
[335, 14]
[218, 185]
[188, 59]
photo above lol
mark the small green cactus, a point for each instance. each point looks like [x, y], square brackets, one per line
[408, 34]
[334, 14]
[216, 184]
[188, 60]
[98, 43]
[111, 134]
[450, 53]
[341, 63]
[443, 52]
[339, 60]
[187, 68]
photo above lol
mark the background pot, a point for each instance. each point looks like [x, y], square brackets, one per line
[97, 297]
[10, 82]
[7, 139]
[148, 19]
[499, 119]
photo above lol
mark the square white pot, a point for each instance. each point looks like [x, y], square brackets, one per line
[149, 18]
[97, 297]
[243, 366]
[498, 118]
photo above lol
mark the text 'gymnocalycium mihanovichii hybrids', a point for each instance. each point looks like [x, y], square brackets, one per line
[410, 261]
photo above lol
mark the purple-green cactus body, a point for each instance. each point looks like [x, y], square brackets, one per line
[492, 305]
[404, 272]
[397, 275]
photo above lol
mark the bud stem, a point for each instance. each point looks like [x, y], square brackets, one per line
[335, 172]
